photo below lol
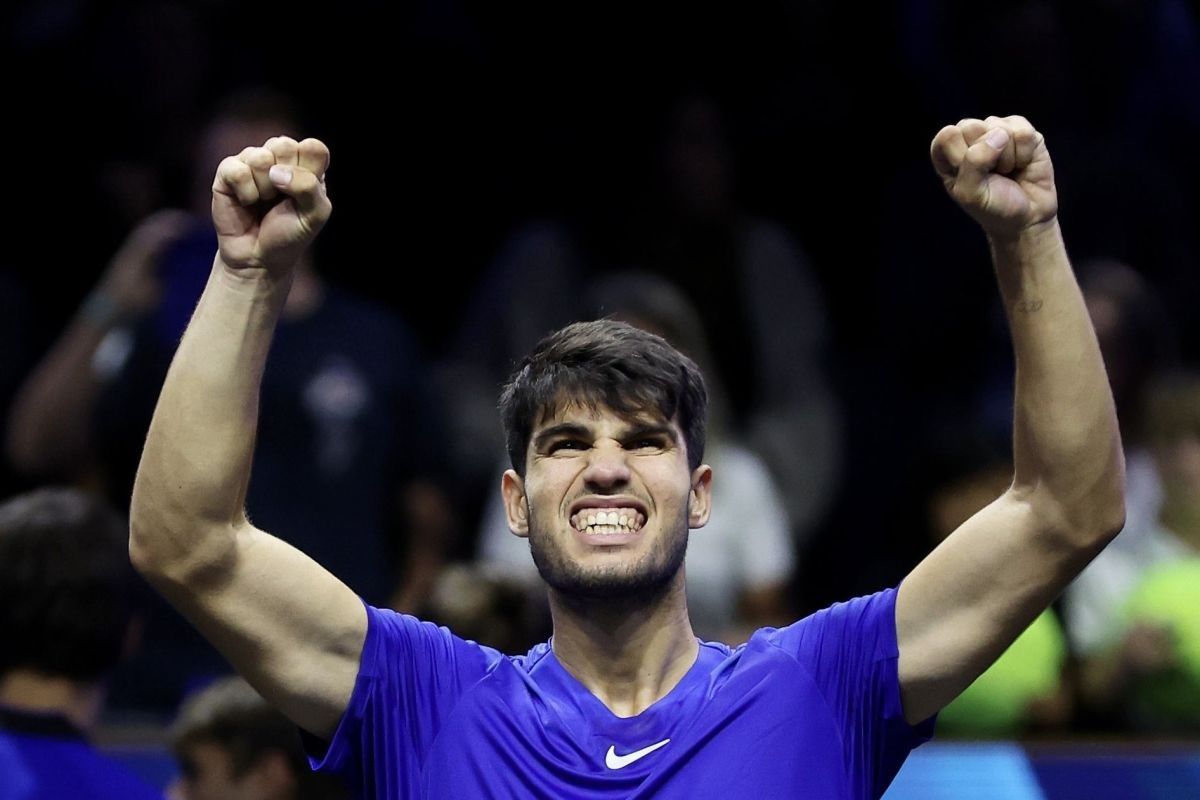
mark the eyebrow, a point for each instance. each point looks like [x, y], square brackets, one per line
[554, 431]
[638, 431]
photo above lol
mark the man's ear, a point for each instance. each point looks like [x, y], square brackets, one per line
[516, 507]
[700, 498]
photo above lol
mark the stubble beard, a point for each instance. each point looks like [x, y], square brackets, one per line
[647, 578]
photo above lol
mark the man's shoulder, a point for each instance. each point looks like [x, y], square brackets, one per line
[392, 632]
[865, 619]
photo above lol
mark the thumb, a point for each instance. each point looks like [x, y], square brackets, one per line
[305, 190]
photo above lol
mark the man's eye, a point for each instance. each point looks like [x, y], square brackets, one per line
[646, 444]
[566, 444]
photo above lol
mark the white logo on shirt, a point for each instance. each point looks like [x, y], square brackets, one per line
[614, 761]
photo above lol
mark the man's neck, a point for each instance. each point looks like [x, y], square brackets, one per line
[26, 690]
[629, 655]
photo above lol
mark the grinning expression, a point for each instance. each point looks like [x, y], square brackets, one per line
[607, 501]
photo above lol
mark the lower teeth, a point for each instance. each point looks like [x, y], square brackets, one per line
[602, 529]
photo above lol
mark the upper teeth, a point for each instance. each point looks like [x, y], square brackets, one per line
[602, 520]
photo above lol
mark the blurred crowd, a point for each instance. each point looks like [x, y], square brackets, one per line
[740, 186]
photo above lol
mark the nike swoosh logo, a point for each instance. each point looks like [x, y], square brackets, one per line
[614, 761]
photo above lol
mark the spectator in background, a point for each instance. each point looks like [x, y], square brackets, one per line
[484, 603]
[746, 276]
[66, 618]
[348, 439]
[232, 745]
[739, 564]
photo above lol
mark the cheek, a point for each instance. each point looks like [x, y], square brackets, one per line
[547, 489]
[539, 505]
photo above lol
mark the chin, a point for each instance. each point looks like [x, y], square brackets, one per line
[651, 576]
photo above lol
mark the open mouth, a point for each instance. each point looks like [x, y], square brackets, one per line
[608, 520]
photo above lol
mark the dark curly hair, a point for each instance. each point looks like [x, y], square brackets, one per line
[66, 585]
[609, 364]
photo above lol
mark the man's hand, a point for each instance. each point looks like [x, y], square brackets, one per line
[999, 171]
[269, 203]
[131, 283]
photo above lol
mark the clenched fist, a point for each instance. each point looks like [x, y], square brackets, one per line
[269, 203]
[998, 169]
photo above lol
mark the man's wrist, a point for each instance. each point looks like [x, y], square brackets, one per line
[1034, 238]
[255, 281]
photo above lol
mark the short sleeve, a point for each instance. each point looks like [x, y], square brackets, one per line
[850, 652]
[411, 676]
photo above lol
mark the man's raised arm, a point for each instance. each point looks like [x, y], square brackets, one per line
[283, 621]
[968, 600]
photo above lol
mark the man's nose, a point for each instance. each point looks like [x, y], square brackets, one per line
[607, 465]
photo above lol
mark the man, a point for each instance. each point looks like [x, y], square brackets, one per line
[605, 429]
[65, 615]
[232, 745]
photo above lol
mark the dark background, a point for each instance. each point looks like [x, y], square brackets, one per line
[452, 123]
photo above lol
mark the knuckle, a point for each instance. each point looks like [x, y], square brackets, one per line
[262, 157]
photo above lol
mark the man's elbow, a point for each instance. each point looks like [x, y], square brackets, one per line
[1109, 521]
[1110, 500]
[164, 551]
[1081, 518]
[148, 539]
[1099, 516]
[148, 546]
[147, 551]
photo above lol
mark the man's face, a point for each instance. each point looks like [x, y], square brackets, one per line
[606, 501]
[207, 774]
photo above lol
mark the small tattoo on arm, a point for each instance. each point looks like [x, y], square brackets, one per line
[1029, 306]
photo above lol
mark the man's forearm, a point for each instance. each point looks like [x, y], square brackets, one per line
[1067, 447]
[192, 479]
[49, 425]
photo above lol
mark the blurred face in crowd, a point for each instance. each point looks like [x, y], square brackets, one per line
[607, 501]
[207, 773]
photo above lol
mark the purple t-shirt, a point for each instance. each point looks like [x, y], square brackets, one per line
[811, 710]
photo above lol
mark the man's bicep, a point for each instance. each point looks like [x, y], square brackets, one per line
[969, 599]
[287, 624]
